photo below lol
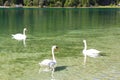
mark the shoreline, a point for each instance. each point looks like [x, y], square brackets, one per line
[60, 7]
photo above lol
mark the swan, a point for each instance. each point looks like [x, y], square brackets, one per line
[49, 63]
[20, 36]
[90, 52]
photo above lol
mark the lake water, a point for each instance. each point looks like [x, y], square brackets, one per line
[66, 28]
[51, 20]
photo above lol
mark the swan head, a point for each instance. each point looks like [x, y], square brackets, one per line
[54, 47]
[25, 29]
[84, 41]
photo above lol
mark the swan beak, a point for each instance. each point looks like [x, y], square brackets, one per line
[56, 48]
[25, 29]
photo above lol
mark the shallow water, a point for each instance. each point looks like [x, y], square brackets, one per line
[66, 28]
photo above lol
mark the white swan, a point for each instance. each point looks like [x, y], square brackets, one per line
[90, 52]
[49, 64]
[20, 36]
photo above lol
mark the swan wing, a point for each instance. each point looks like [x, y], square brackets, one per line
[94, 50]
[92, 53]
[19, 36]
[45, 62]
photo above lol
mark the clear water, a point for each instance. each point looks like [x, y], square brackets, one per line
[16, 60]
[42, 22]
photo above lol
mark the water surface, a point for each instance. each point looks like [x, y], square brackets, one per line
[63, 27]
[51, 20]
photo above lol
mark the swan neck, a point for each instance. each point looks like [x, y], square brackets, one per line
[85, 45]
[53, 56]
[24, 31]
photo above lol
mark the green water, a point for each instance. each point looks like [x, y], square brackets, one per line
[65, 28]
[58, 21]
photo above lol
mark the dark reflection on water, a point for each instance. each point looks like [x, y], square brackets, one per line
[51, 20]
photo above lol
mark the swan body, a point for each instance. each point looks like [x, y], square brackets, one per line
[20, 36]
[90, 52]
[49, 63]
